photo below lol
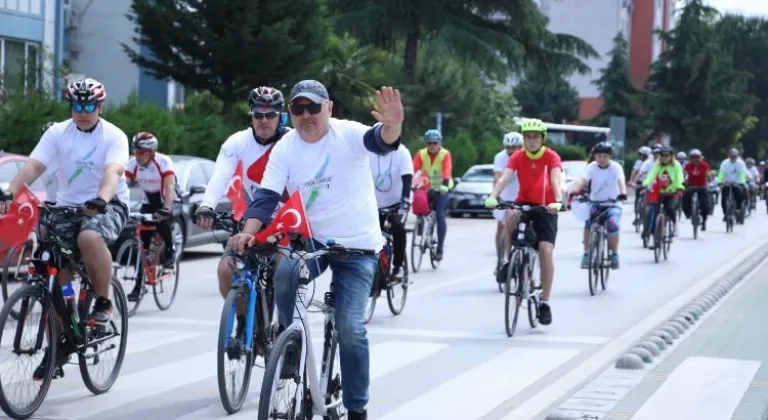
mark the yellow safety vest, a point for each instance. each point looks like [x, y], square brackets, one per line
[434, 169]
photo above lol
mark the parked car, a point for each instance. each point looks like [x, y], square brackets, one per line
[470, 192]
[572, 170]
[193, 174]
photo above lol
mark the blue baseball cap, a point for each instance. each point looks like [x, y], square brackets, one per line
[310, 89]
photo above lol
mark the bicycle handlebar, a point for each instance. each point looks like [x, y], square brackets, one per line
[288, 252]
[511, 205]
[142, 217]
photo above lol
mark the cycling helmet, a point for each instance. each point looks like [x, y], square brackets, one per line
[266, 96]
[145, 141]
[433, 135]
[513, 139]
[46, 126]
[695, 152]
[681, 155]
[85, 90]
[534, 125]
[645, 150]
[733, 153]
[665, 150]
[762, 162]
[750, 161]
[656, 149]
[603, 147]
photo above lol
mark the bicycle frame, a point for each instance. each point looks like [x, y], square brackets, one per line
[247, 279]
[149, 270]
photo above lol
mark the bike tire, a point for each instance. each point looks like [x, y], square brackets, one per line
[605, 258]
[119, 304]
[513, 299]
[533, 298]
[159, 286]
[666, 238]
[417, 251]
[272, 373]
[638, 216]
[394, 306]
[28, 292]
[657, 238]
[228, 323]
[128, 257]
[12, 256]
[432, 247]
[333, 391]
[592, 256]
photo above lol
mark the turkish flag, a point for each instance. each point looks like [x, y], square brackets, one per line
[21, 219]
[292, 218]
[235, 193]
[654, 193]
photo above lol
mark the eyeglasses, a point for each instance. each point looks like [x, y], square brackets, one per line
[261, 115]
[89, 108]
[313, 108]
[140, 152]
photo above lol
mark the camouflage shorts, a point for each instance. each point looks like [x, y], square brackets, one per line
[108, 224]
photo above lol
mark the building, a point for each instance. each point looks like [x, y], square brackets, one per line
[597, 22]
[30, 41]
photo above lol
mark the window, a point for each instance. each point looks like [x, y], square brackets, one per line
[478, 175]
[19, 64]
[196, 176]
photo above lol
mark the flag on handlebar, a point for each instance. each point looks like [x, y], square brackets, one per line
[292, 218]
[235, 193]
[21, 219]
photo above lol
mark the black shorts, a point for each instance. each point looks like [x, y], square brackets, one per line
[544, 226]
[108, 225]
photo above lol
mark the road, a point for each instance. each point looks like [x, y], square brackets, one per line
[447, 355]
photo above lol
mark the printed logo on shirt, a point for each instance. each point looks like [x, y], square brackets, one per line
[82, 164]
[318, 183]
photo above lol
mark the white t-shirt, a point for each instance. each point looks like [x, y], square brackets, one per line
[605, 181]
[81, 159]
[51, 182]
[646, 167]
[753, 174]
[334, 178]
[388, 171]
[499, 164]
[151, 177]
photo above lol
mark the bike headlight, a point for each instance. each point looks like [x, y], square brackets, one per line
[239, 264]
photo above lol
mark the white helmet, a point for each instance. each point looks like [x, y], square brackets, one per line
[513, 139]
[645, 150]
[680, 155]
[694, 152]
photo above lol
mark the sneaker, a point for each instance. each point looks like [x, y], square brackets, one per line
[545, 314]
[585, 260]
[135, 294]
[614, 261]
[357, 415]
[102, 312]
[439, 254]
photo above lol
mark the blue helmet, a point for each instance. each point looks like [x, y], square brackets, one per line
[433, 135]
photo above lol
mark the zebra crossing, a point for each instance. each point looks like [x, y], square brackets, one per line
[170, 373]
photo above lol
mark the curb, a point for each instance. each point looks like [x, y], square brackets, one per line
[655, 345]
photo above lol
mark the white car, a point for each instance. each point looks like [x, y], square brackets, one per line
[572, 170]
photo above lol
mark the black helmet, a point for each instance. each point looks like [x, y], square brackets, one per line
[46, 126]
[603, 147]
[266, 96]
[145, 141]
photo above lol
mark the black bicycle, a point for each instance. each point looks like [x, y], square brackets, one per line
[383, 278]
[730, 206]
[663, 232]
[598, 253]
[76, 335]
[695, 208]
[639, 210]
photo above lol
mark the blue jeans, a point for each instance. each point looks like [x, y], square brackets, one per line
[440, 204]
[352, 279]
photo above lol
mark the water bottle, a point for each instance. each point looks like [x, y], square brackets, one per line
[388, 250]
[70, 299]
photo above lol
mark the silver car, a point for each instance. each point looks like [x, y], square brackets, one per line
[470, 192]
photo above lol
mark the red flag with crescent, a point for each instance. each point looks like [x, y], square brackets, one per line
[21, 219]
[235, 193]
[292, 218]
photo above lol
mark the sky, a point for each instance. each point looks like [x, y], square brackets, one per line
[745, 7]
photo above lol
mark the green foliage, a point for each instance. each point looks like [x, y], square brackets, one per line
[569, 151]
[23, 115]
[549, 98]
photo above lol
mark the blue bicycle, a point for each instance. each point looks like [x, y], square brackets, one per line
[249, 323]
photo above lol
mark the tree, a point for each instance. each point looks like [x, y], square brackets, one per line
[500, 34]
[228, 47]
[552, 99]
[696, 95]
[620, 97]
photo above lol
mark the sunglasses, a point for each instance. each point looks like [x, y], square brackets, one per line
[261, 115]
[140, 152]
[87, 108]
[433, 143]
[313, 108]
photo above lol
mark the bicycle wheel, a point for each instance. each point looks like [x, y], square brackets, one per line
[396, 305]
[96, 339]
[605, 262]
[130, 271]
[433, 244]
[26, 295]
[417, 242]
[16, 265]
[668, 230]
[231, 348]
[333, 393]
[513, 298]
[657, 237]
[534, 270]
[165, 289]
[276, 378]
[638, 215]
[375, 293]
[695, 216]
[593, 255]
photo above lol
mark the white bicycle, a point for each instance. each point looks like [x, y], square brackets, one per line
[291, 369]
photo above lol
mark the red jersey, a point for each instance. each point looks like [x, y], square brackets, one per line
[533, 175]
[697, 173]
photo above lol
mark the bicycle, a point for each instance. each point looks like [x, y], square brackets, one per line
[383, 279]
[16, 265]
[599, 260]
[730, 205]
[76, 335]
[663, 227]
[424, 239]
[292, 359]
[520, 284]
[146, 265]
[695, 207]
[639, 210]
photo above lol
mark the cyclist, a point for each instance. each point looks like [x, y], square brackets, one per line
[538, 172]
[643, 154]
[697, 179]
[251, 146]
[90, 154]
[733, 178]
[646, 167]
[155, 175]
[753, 178]
[49, 177]
[392, 177]
[667, 177]
[435, 161]
[512, 142]
[607, 181]
[328, 161]
[682, 158]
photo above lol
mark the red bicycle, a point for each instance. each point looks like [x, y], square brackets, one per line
[145, 266]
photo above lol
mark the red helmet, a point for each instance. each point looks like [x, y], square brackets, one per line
[85, 90]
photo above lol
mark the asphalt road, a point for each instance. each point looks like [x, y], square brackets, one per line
[447, 355]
